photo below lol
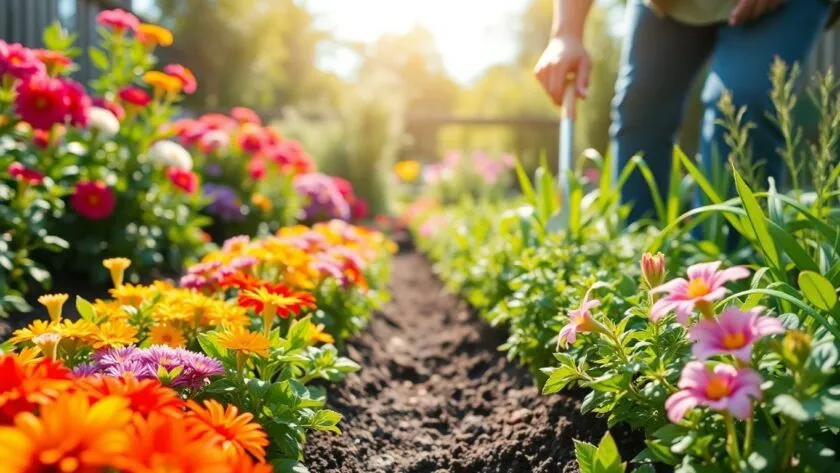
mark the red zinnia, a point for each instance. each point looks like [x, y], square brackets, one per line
[183, 179]
[56, 61]
[252, 139]
[217, 121]
[256, 168]
[135, 96]
[19, 61]
[19, 172]
[119, 20]
[359, 209]
[42, 102]
[184, 75]
[245, 115]
[93, 200]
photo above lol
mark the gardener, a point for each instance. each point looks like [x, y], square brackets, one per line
[667, 44]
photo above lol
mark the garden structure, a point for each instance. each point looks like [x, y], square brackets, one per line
[194, 295]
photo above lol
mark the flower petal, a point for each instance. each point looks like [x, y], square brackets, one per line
[678, 404]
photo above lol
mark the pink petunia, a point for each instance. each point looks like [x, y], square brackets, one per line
[723, 389]
[705, 285]
[733, 333]
[580, 321]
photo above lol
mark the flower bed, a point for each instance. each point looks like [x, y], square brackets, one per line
[722, 360]
[226, 371]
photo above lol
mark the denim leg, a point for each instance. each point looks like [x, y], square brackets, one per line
[659, 60]
[741, 64]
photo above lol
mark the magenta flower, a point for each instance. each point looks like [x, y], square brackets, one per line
[705, 285]
[733, 333]
[580, 321]
[723, 389]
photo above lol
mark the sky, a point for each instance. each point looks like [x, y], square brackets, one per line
[470, 34]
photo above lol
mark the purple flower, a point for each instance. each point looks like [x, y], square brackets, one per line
[243, 263]
[322, 198]
[85, 369]
[134, 367]
[226, 203]
[113, 356]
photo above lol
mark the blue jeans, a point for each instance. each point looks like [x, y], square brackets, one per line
[660, 60]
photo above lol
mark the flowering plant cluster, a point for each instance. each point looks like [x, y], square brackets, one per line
[478, 174]
[252, 326]
[725, 369]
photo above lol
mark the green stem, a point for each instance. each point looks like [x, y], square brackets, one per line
[787, 447]
[732, 441]
[749, 435]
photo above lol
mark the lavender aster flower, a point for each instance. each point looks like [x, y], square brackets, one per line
[226, 202]
[109, 357]
[322, 197]
[85, 369]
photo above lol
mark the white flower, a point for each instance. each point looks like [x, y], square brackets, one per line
[103, 121]
[171, 154]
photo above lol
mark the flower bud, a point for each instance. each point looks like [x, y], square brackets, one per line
[796, 347]
[653, 269]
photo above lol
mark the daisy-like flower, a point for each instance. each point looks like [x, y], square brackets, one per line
[134, 96]
[19, 62]
[704, 286]
[144, 396]
[580, 321]
[109, 357]
[318, 335]
[188, 83]
[723, 389]
[93, 200]
[153, 35]
[166, 334]
[245, 115]
[117, 267]
[243, 341]
[187, 181]
[54, 304]
[104, 122]
[163, 83]
[225, 427]
[114, 334]
[131, 295]
[733, 333]
[23, 386]
[171, 154]
[271, 300]
[119, 20]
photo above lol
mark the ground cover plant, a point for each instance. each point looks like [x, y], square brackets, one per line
[721, 351]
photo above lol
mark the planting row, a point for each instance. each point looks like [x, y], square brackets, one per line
[104, 171]
[226, 371]
[713, 333]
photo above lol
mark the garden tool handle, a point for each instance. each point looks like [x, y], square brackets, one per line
[567, 133]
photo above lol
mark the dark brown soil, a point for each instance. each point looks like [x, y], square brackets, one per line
[435, 395]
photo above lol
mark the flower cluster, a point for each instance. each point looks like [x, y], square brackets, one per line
[174, 367]
[323, 198]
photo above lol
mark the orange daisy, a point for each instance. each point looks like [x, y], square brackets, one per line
[271, 300]
[144, 396]
[24, 386]
[243, 341]
[235, 433]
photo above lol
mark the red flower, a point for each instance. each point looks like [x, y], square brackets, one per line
[135, 96]
[23, 386]
[285, 300]
[56, 61]
[19, 61]
[112, 107]
[93, 200]
[289, 155]
[78, 103]
[245, 115]
[42, 102]
[19, 172]
[119, 20]
[359, 209]
[183, 179]
[184, 75]
[145, 397]
[252, 139]
[41, 138]
[256, 168]
[344, 187]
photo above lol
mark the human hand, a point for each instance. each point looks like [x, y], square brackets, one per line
[565, 57]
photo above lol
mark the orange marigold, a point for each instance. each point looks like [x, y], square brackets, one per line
[144, 396]
[235, 433]
[26, 385]
[71, 435]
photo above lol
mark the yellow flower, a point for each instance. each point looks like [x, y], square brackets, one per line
[164, 82]
[36, 328]
[243, 341]
[407, 171]
[48, 344]
[154, 35]
[317, 335]
[109, 310]
[80, 331]
[28, 355]
[131, 295]
[54, 303]
[167, 335]
[114, 335]
[117, 267]
[262, 202]
[169, 312]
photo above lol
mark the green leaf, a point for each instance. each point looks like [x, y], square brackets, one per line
[585, 455]
[824, 357]
[818, 290]
[791, 407]
[674, 195]
[211, 348]
[85, 309]
[56, 37]
[98, 58]
[757, 223]
[326, 420]
[42, 276]
[607, 458]
[525, 184]
[558, 379]
[791, 247]
[646, 468]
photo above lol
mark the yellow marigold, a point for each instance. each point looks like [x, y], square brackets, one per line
[131, 295]
[28, 355]
[54, 304]
[162, 81]
[77, 331]
[167, 335]
[114, 335]
[36, 328]
[154, 35]
[243, 341]
[109, 310]
[261, 202]
[317, 335]
[407, 171]
[117, 267]
[168, 312]
[205, 310]
[229, 315]
[293, 230]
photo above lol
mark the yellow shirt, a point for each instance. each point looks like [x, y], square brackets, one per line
[694, 12]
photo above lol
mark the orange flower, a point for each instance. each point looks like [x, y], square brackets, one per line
[144, 397]
[154, 35]
[114, 334]
[271, 300]
[24, 386]
[70, 435]
[163, 444]
[243, 341]
[244, 464]
[240, 281]
[235, 433]
[163, 82]
[318, 335]
[168, 335]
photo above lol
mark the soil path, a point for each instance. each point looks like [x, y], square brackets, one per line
[434, 395]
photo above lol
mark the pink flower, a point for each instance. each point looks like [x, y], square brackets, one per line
[580, 321]
[19, 61]
[733, 333]
[119, 20]
[42, 101]
[245, 115]
[214, 140]
[134, 96]
[252, 139]
[93, 200]
[78, 103]
[189, 84]
[185, 180]
[256, 168]
[704, 286]
[723, 389]
[21, 173]
[653, 269]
